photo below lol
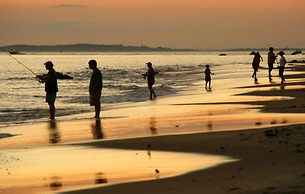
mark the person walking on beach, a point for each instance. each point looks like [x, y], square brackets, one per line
[271, 60]
[208, 74]
[95, 88]
[260, 58]
[51, 87]
[282, 66]
[255, 64]
[150, 75]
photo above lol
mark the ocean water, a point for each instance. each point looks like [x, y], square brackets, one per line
[22, 98]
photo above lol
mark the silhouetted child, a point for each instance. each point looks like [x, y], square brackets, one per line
[208, 74]
[150, 74]
[282, 65]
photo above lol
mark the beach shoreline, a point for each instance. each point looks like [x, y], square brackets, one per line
[262, 126]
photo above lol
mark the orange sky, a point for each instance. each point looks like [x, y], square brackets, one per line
[167, 23]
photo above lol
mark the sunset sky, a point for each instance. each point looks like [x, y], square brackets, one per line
[165, 23]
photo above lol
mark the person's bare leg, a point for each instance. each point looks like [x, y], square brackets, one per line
[97, 111]
[153, 92]
[52, 110]
[150, 91]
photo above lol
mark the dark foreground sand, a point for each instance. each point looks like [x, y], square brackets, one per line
[272, 160]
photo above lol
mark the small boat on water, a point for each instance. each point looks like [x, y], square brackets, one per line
[15, 53]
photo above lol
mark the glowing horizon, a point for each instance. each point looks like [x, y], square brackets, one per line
[171, 23]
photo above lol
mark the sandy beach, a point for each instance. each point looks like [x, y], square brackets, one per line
[242, 138]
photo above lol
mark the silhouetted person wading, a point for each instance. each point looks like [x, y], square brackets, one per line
[95, 88]
[150, 74]
[51, 87]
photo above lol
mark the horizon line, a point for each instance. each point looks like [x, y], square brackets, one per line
[150, 47]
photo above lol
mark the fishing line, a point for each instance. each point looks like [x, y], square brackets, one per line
[20, 63]
[289, 44]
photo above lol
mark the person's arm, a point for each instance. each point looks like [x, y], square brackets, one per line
[41, 78]
[274, 57]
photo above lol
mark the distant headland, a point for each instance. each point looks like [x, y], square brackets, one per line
[65, 48]
[86, 48]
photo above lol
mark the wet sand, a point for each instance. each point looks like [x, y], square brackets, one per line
[267, 162]
[255, 133]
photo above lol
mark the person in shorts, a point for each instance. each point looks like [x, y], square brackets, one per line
[51, 87]
[150, 74]
[271, 60]
[282, 65]
[207, 78]
[95, 88]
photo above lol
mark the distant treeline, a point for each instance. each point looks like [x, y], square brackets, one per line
[85, 48]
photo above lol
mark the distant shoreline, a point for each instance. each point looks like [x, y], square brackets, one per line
[117, 48]
[87, 48]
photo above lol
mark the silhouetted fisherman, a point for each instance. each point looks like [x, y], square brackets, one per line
[271, 60]
[150, 74]
[51, 87]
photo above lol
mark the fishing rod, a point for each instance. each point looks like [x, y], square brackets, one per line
[37, 76]
[289, 44]
[20, 63]
[268, 44]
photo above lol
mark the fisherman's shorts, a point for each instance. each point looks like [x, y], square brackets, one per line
[95, 98]
[50, 97]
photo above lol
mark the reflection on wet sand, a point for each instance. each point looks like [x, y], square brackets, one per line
[56, 183]
[282, 86]
[152, 126]
[272, 122]
[149, 150]
[96, 128]
[210, 126]
[257, 123]
[65, 132]
[100, 178]
[54, 135]
[69, 169]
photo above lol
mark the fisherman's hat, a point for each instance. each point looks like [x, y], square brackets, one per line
[281, 53]
[48, 63]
